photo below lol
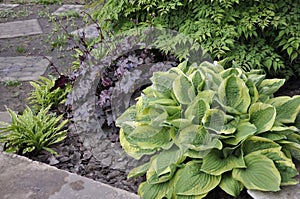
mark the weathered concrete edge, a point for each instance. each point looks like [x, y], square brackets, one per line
[73, 186]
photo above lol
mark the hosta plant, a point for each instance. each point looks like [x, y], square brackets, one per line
[204, 127]
[44, 95]
[33, 132]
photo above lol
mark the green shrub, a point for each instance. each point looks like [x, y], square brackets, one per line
[206, 127]
[32, 132]
[255, 34]
[42, 96]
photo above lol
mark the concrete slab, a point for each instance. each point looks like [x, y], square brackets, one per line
[20, 28]
[5, 117]
[288, 192]
[22, 68]
[89, 31]
[6, 7]
[64, 9]
[21, 178]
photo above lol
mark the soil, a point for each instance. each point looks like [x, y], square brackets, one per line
[73, 156]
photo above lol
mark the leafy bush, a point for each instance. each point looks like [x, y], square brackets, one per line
[44, 95]
[256, 34]
[32, 132]
[206, 127]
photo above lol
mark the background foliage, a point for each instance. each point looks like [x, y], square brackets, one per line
[255, 34]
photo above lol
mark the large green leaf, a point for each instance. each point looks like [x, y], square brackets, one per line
[214, 119]
[260, 174]
[139, 171]
[234, 93]
[215, 164]
[197, 138]
[230, 185]
[164, 165]
[198, 80]
[183, 89]
[285, 165]
[149, 137]
[162, 82]
[292, 147]
[151, 191]
[255, 143]
[128, 115]
[192, 181]
[262, 116]
[133, 150]
[196, 110]
[287, 108]
[244, 130]
[270, 86]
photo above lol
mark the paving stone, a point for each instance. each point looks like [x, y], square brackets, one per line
[21, 178]
[5, 117]
[68, 8]
[20, 28]
[5, 7]
[22, 68]
[287, 192]
[89, 31]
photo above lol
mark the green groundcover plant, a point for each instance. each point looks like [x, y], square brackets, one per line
[205, 126]
[33, 132]
[42, 96]
[256, 34]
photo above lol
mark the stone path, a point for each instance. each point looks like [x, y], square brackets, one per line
[22, 68]
[20, 28]
[22, 178]
[5, 7]
[65, 9]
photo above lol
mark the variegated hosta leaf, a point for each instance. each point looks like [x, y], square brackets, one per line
[183, 89]
[139, 171]
[270, 86]
[197, 138]
[196, 110]
[252, 91]
[234, 93]
[244, 130]
[149, 137]
[255, 143]
[162, 82]
[133, 150]
[164, 165]
[231, 71]
[192, 181]
[198, 80]
[285, 165]
[260, 174]
[262, 116]
[287, 108]
[128, 115]
[215, 164]
[292, 147]
[216, 120]
[230, 185]
[151, 191]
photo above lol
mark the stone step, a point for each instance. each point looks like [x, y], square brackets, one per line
[6, 7]
[64, 9]
[22, 178]
[20, 28]
[22, 68]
